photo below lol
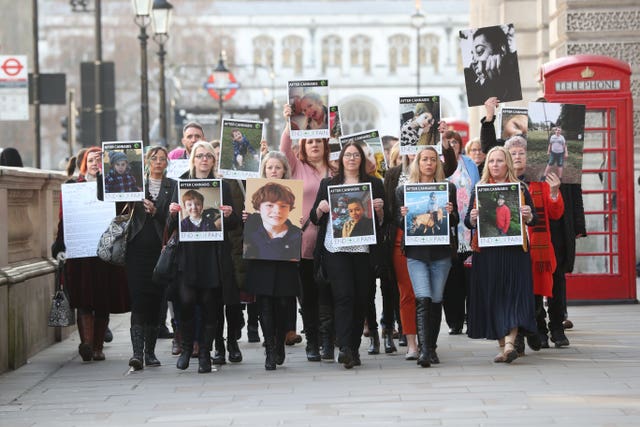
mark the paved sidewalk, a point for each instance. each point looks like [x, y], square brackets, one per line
[594, 382]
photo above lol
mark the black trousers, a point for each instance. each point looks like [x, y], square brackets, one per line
[350, 278]
[309, 300]
[455, 292]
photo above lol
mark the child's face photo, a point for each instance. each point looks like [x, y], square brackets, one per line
[274, 169]
[236, 135]
[120, 166]
[355, 211]
[193, 208]
[500, 202]
[274, 214]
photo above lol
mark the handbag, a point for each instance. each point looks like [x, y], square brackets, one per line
[165, 270]
[112, 246]
[61, 313]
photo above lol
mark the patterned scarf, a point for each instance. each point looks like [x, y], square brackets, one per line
[542, 256]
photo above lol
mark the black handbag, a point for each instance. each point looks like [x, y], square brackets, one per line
[165, 270]
[61, 313]
[112, 246]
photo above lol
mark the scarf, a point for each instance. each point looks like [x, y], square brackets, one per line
[543, 260]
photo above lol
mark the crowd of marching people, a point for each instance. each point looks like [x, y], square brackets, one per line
[497, 292]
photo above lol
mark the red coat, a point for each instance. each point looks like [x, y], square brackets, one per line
[543, 259]
[503, 218]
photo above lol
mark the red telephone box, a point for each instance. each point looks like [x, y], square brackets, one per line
[605, 260]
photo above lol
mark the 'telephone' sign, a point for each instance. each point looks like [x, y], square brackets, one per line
[14, 88]
[588, 85]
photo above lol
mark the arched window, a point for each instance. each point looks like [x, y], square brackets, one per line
[358, 115]
[361, 52]
[429, 49]
[292, 53]
[263, 51]
[331, 52]
[398, 51]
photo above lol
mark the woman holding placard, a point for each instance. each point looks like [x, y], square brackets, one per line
[203, 267]
[428, 265]
[501, 289]
[348, 267]
[310, 165]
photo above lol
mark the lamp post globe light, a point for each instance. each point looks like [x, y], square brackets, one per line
[142, 11]
[160, 22]
[221, 82]
[417, 22]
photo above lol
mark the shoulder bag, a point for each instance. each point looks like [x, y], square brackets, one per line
[112, 246]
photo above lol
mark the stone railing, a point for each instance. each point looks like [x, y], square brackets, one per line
[29, 209]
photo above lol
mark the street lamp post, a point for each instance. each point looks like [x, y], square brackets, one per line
[142, 10]
[160, 22]
[221, 79]
[417, 22]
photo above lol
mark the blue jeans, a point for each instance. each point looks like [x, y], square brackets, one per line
[428, 278]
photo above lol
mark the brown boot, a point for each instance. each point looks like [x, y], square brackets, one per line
[99, 329]
[85, 330]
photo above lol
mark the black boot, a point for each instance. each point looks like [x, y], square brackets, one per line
[374, 342]
[204, 356]
[312, 349]
[389, 346]
[423, 309]
[137, 342]
[280, 350]
[220, 354]
[150, 338]
[435, 320]
[235, 356]
[346, 357]
[270, 353]
[328, 347]
[186, 333]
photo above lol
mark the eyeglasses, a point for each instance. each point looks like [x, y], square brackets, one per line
[158, 159]
[352, 155]
[207, 156]
[453, 141]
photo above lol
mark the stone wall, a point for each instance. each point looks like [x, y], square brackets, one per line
[29, 208]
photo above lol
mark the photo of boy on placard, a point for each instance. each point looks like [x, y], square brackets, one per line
[122, 163]
[270, 231]
[200, 217]
[427, 220]
[240, 149]
[490, 61]
[555, 141]
[499, 219]
[351, 209]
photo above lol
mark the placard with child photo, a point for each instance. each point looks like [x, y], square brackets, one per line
[499, 219]
[419, 120]
[351, 214]
[240, 149]
[123, 171]
[272, 229]
[309, 100]
[200, 217]
[427, 220]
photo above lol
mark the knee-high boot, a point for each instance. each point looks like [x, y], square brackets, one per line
[150, 338]
[204, 357]
[85, 330]
[100, 325]
[423, 309]
[268, 322]
[137, 342]
[186, 333]
[435, 320]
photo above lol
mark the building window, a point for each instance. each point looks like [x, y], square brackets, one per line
[398, 51]
[429, 49]
[292, 53]
[263, 52]
[358, 115]
[361, 52]
[331, 52]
